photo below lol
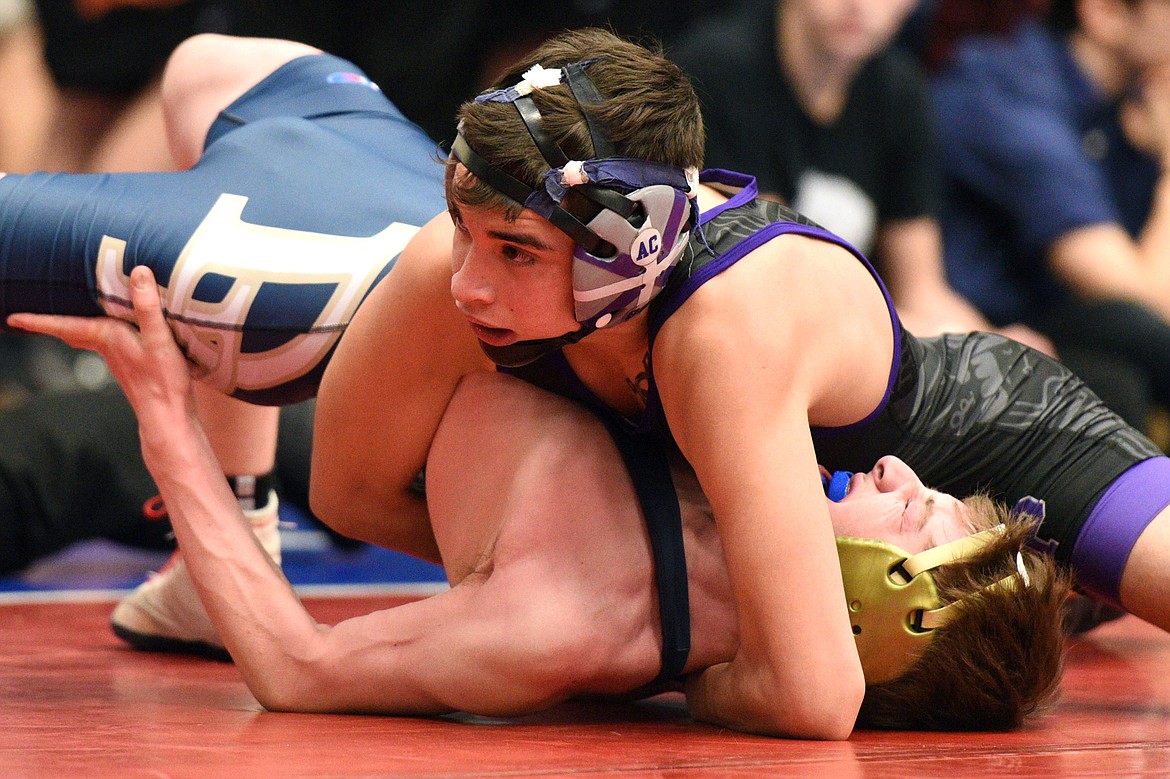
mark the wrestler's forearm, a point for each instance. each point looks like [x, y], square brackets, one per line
[253, 607]
[454, 651]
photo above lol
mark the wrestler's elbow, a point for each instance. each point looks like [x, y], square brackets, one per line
[293, 694]
[327, 502]
[341, 490]
[279, 682]
[343, 501]
[815, 706]
[828, 715]
[277, 695]
[301, 677]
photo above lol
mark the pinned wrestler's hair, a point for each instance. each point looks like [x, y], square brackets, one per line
[1000, 660]
[650, 112]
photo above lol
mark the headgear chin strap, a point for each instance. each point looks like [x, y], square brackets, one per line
[624, 253]
[894, 605]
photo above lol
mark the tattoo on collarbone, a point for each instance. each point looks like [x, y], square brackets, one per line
[640, 384]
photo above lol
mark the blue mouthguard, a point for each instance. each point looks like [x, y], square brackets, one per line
[838, 485]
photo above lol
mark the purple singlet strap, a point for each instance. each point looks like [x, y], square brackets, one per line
[1109, 534]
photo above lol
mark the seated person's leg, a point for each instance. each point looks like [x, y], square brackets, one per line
[63, 480]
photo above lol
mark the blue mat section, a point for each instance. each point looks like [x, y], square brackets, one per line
[310, 558]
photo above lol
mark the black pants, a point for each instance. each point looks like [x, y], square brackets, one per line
[1119, 348]
[71, 469]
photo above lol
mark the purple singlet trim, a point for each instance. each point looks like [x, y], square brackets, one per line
[1109, 534]
[747, 193]
[758, 239]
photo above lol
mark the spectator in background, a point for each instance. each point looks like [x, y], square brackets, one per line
[831, 120]
[1054, 142]
[105, 59]
[430, 57]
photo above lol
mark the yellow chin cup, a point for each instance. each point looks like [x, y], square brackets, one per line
[894, 605]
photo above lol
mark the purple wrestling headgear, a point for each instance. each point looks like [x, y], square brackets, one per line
[625, 252]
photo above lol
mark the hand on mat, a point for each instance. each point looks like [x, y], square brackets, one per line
[145, 360]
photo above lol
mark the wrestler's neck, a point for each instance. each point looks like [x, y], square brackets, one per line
[819, 79]
[611, 360]
[610, 347]
[709, 198]
[611, 363]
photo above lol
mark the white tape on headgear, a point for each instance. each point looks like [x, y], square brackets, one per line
[538, 77]
[573, 174]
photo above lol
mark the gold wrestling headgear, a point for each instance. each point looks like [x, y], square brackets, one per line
[894, 605]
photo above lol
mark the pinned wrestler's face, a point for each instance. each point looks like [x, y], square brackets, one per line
[512, 280]
[891, 504]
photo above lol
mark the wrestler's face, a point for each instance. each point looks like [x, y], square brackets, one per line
[850, 30]
[511, 279]
[891, 504]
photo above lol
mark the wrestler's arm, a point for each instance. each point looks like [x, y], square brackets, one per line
[454, 651]
[382, 397]
[740, 373]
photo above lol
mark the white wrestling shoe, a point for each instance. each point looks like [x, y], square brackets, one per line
[164, 614]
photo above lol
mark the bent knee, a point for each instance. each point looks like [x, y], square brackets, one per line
[205, 74]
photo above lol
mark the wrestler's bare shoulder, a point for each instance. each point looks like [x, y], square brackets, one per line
[798, 302]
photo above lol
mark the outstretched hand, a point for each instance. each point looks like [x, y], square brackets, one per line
[145, 360]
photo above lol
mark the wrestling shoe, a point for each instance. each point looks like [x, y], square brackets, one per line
[164, 614]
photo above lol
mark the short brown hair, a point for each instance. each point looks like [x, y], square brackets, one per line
[1000, 660]
[650, 112]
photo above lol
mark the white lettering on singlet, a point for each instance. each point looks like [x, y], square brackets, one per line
[244, 257]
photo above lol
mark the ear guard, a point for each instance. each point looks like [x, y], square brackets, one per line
[631, 222]
[894, 605]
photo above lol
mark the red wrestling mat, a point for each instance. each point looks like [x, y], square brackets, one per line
[76, 704]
